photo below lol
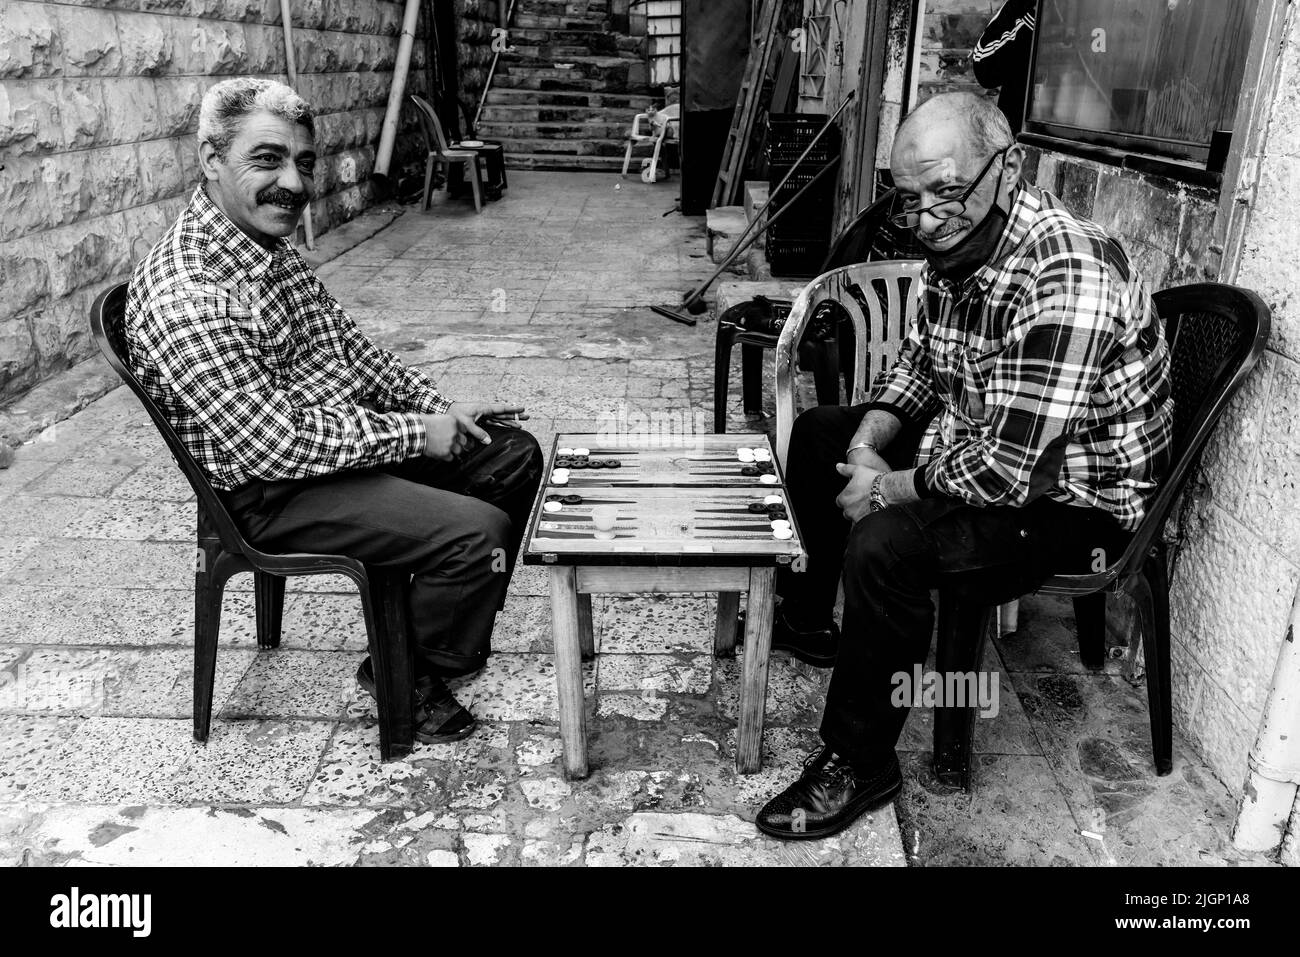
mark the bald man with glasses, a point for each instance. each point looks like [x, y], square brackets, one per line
[1022, 432]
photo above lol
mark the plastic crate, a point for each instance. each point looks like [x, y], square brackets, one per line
[797, 256]
[788, 135]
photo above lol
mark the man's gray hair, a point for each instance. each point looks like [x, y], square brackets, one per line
[986, 125]
[225, 104]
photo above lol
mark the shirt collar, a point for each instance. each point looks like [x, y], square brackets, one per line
[233, 251]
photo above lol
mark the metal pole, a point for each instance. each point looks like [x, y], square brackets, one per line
[291, 65]
[487, 84]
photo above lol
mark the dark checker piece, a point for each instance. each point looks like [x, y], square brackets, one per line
[572, 500]
[749, 470]
[562, 463]
[613, 464]
[767, 468]
[554, 498]
[596, 464]
[779, 513]
[757, 507]
[578, 464]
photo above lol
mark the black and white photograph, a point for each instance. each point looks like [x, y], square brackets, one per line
[651, 434]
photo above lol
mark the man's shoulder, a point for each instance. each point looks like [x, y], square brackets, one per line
[1062, 241]
[178, 261]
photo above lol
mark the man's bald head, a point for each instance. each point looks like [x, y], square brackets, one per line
[972, 120]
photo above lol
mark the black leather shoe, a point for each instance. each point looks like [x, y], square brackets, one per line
[817, 648]
[827, 798]
[439, 717]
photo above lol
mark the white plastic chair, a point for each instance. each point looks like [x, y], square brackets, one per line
[660, 126]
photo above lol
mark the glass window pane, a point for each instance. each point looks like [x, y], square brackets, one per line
[1169, 70]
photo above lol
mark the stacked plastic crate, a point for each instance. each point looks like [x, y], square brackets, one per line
[797, 244]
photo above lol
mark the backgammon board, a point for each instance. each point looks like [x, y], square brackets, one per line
[710, 500]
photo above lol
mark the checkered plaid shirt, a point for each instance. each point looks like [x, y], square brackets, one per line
[257, 367]
[1048, 369]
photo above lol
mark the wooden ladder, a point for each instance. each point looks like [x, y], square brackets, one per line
[726, 190]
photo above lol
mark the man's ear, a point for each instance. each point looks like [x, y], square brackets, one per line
[1013, 169]
[208, 160]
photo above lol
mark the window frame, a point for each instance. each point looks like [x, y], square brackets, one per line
[1185, 161]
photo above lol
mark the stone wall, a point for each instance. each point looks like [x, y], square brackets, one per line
[98, 107]
[475, 21]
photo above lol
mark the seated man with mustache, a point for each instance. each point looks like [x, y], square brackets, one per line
[317, 439]
[1020, 434]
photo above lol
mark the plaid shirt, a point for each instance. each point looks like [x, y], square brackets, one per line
[257, 367]
[1048, 369]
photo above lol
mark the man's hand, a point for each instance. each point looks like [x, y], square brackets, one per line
[444, 436]
[855, 500]
[868, 458]
[497, 414]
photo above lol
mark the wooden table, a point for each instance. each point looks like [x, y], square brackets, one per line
[688, 520]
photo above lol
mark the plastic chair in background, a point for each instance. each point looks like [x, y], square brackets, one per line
[440, 154]
[658, 127]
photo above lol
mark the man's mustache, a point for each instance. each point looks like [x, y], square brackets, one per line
[282, 197]
[954, 225]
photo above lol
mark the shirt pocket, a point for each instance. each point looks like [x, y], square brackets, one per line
[976, 371]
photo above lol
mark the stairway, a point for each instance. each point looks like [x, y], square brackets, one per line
[565, 97]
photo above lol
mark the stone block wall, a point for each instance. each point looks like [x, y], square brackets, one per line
[98, 107]
[475, 21]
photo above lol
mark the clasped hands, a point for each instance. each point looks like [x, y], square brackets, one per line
[855, 500]
[449, 433]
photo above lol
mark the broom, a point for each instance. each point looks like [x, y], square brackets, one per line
[694, 301]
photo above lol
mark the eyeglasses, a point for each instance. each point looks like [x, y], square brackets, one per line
[911, 218]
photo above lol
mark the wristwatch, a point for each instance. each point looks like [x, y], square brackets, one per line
[878, 502]
[860, 445]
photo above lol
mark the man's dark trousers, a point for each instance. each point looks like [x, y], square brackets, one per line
[893, 558]
[456, 525]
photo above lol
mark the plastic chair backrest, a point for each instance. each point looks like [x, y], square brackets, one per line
[429, 122]
[1216, 334]
[107, 320]
[881, 298]
[871, 236]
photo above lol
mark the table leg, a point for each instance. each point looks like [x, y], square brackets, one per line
[568, 669]
[724, 635]
[586, 632]
[753, 682]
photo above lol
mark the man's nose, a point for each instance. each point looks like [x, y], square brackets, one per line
[293, 180]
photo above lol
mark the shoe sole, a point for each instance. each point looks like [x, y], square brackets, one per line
[816, 834]
[817, 661]
[368, 687]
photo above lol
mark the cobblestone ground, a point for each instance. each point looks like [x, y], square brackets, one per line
[540, 299]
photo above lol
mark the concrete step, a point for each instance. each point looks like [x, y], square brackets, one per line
[724, 225]
[562, 161]
[498, 130]
[584, 64]
[516, 113]
[631, 103]
[564, 147]
[566, 81]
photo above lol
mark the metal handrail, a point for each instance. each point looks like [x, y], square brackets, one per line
[487, 84]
